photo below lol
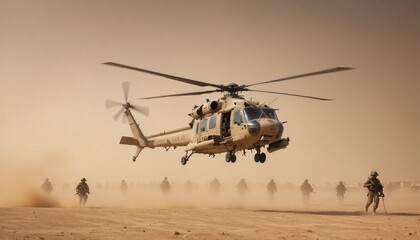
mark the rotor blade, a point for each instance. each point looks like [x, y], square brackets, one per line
[337, 69]
[140, 109]
[111, 103]
[118, 114]
[126, 89]
[294, 95]
[180, 79]
[182, 94]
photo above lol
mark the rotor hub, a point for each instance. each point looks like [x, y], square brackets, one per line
[127, 105]
[233, 89]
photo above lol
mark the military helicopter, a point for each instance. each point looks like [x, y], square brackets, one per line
[228, 125]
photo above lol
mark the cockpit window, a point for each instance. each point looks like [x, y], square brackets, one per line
[270, 113]
[256, 113]
[237, 117]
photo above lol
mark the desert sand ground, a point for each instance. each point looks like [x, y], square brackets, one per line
[202, 215]
[187, 223]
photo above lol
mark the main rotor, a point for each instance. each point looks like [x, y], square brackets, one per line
[231, 89]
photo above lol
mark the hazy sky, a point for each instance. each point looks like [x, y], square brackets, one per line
[53, 85]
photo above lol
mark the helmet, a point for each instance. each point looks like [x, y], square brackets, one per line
[83, 179]
[374, 173]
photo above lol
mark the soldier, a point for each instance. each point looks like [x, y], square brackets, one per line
[306, 190]
[242, 187]
[271, 188]
[165, 186]
[375, 190]
[225, 127]
[188, 185]
[123, 187]
[341, 190]
[47, 186]
[82, 190]
[215, 186]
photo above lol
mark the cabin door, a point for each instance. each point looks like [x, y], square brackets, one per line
[225, 127]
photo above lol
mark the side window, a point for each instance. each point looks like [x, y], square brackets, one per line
[212, 123]
[203, 125]
[196, 129]
[237, 117]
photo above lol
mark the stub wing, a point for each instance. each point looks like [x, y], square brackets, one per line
[129, 141]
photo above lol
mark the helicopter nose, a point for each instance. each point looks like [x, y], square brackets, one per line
[280, 130]
[254, 128]
[272, 128]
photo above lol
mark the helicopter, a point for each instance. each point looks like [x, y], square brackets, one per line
[228, 125]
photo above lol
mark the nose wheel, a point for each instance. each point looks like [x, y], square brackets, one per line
[260, 157]
[230, 157]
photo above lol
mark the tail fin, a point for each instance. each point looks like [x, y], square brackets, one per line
[138, 138]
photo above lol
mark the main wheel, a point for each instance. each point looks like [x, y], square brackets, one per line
[257, 157]
[228, 156]
[262, 157]
[233, 158]
[184, 160]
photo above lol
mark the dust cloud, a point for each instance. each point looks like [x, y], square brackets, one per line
[21, 187]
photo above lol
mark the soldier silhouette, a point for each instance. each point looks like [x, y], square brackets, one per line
[165, 186]
[82, 190]
[47, 186]
[188, 185]
[242, 187]
[341, 190]
[123, 186]
[306, 190]
[271, 189]
[215, 186]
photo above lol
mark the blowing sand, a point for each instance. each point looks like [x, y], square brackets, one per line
[202, 215]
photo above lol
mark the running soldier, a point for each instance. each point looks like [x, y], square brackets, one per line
[271, 189]
[375, 191]
[47, 186]
[242, 187]
[82, 190]
[215, 186]
[165, 186]
[188, 185]
[341, 190]
[123, 187]
[306, 190]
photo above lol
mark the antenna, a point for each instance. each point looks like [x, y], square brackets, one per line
[273, 101]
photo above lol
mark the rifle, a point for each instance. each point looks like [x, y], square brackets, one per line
[378, 189]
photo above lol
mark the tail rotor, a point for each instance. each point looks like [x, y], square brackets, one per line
[109, 103]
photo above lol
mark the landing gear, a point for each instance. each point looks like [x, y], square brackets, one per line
[260, 157]
[230, 157]
[185, 159]
[233, 160]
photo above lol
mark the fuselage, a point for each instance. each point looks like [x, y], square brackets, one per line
[237, 124]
